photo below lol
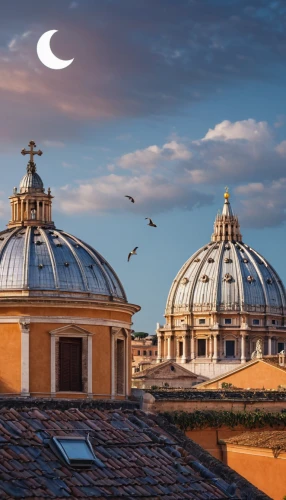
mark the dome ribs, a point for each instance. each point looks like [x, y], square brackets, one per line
[52, 257]
[82, 272]
[26, 258]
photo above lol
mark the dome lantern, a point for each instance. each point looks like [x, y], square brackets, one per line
[31, 205]
[226, 226]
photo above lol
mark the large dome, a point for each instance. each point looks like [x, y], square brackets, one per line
[227, 275]
[46, 261]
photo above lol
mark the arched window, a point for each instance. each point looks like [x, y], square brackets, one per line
[119, 362]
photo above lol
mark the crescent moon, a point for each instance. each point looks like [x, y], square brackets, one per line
[46, 55]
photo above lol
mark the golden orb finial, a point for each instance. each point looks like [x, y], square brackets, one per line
[226, 194]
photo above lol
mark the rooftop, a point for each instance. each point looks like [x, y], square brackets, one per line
[275, 440]
[136, 455]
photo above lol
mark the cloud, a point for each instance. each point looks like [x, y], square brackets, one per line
[262, 205]
[183, 174]
[281, 149]
[248, 130]
[153, 194]
[53, 144]
[187, 53]
[151, 156]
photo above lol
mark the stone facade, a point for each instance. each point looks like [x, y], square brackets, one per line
[225, 300]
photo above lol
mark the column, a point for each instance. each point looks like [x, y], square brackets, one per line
[242, 357]
[53, 365]
[126, 361]
[25, 354]
[89, 365]
[193, 354]
[177, 347]
[43, 211]
[269, 345]
[27, 210]
[159, 348]
[169, 347]
[215, 348]
[22, 210]
[184, 357]
[38, 211]
[210, 347]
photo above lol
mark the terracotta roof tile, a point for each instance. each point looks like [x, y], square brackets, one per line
[140, 459]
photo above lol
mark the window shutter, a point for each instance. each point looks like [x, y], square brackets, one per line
[70, 364]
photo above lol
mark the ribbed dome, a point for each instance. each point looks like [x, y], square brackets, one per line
[227, 275]
[31, 181]
[49, 262]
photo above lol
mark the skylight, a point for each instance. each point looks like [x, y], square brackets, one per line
[76, 451]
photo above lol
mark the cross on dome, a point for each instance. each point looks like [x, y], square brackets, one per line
[31, 151]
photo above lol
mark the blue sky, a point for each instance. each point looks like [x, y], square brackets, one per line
[168, 101]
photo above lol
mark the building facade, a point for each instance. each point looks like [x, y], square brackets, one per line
[225, 299]
[144, 353]
[65, 321]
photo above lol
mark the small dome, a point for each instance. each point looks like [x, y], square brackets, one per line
[50, 262]
[31, 181]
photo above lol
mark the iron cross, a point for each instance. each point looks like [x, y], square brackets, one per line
[31, 151]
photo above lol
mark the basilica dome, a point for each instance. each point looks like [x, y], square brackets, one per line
[36, 259]
[226, 274]
[43, 260]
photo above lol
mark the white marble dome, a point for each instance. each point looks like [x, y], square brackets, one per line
[227, 275]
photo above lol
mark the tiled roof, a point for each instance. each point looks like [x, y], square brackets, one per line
[139, 459]
[276, 440]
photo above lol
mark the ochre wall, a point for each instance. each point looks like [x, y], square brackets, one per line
[10, 358]
[40, 357]
[258, 376]
[265, 472]
[208, 438]
[77, 310]
[40, 347]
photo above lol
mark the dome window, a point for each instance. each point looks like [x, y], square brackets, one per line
[227, 278]
[184, 281]
[227, 247]
[260, 263]
[204, 278]
[2, 238]
[90, 266]
[197, 260]
[40, 266]
[250, 279]
[59, 245]
[205, 248]
[66, 264]
[217, 246]
[210, 260]
[245, 261]
[227, 260]
[241, 249]
[54, 235]
[269, 281]
[77, 246]
[38, 242]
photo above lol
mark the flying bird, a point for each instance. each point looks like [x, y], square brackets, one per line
[132, 253]
[130, 198]
[151, 223]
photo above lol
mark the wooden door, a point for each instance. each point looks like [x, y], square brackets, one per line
[70, 364]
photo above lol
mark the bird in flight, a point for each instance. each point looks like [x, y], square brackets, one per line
[151, 223]
[130, 198]
[132, 253]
